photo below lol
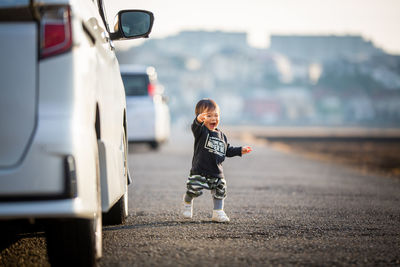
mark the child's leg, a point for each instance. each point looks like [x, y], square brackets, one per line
[218, 203]
[195, 185]
[219, 194]
[187, 198]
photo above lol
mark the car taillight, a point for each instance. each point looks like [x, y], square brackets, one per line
[151, 89]
[55, 31]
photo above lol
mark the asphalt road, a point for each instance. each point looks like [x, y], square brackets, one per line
[284, 209]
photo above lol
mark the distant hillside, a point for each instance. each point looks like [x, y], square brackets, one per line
[300, 80]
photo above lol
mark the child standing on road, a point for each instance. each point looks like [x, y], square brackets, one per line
[210, 148]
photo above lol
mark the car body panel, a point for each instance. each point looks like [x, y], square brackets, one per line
[140, 117]
[71, 89]
[44, 209]
[18, 94]
[162, 119]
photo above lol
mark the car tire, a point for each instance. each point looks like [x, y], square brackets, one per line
[154, 145]
[119, 212]
[72, 242]
[76, 241]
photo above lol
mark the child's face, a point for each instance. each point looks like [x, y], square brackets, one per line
[212, 119]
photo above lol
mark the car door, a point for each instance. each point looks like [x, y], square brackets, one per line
[111, 103]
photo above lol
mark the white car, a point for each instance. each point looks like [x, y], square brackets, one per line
[63, 143]
[147, 111]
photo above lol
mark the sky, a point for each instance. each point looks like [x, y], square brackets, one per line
[376, 20]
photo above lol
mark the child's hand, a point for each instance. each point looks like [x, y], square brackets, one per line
[246, 149]
[202, 117]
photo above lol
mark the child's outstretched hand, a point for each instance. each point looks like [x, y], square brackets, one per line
[246, 149]
[202, 117]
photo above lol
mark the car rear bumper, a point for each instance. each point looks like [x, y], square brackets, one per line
[45, 209]
[46, 183]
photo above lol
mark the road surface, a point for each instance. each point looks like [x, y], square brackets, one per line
[284, 209]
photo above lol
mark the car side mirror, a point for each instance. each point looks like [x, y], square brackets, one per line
[132, 24]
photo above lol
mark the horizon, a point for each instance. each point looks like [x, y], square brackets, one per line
[128, 45]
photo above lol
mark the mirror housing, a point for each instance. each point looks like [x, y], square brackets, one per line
[132, 24]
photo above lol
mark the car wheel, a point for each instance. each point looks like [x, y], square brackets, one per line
[72, 242]
[154, 145]
[76, 241]
[119, 212]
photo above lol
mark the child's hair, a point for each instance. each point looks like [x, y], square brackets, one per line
[205, 104]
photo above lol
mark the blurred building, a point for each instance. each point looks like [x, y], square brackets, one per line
[200, 43]
[323, 48]
[300, 80]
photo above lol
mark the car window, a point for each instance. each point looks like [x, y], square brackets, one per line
[13, 3]
[135, 84]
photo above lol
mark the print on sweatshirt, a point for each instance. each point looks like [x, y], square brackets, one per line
[215, 145]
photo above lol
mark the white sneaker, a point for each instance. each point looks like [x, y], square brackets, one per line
[219, 216]
[187, 210]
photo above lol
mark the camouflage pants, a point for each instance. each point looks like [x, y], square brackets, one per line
[196, 183]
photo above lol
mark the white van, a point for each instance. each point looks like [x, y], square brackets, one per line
[63, 130]
[148, 114]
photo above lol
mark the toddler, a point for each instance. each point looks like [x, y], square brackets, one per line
[210, 148]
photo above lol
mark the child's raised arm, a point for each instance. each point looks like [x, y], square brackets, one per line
[198, 123]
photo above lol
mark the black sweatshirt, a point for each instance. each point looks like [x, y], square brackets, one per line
[210, 149]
